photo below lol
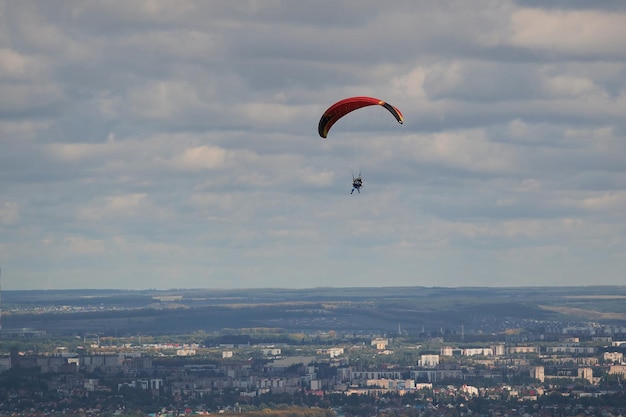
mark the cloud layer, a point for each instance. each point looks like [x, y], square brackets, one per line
[174, 144]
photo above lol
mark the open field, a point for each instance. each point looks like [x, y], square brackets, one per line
[369, 310]
[590, 315]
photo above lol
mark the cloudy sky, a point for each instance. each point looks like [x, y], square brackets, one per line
[160, 144]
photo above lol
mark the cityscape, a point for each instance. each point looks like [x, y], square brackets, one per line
[531, 366]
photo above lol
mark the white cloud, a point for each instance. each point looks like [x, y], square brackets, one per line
[28, 97]
[318, 178]
[575, 32]
[12, 130]
[163, 99]
[443, 78]
[201, 158]
[411, 84]
[177, 44]
[608, 201]
[465, 150]
[77, 246]
[267, 114]
[14, 65]
[127, 205]
[9, 213]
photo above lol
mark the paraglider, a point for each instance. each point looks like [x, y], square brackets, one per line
[357, 183]
[345, 106]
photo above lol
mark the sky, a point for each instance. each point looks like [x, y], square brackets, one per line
[173, 144]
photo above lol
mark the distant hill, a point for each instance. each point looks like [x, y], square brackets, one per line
[367, 310]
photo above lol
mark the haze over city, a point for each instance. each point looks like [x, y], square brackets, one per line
[158, 144]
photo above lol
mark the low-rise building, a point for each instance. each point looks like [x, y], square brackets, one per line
[380, 343]
[613, 357]
[428, 361]
[516, 350]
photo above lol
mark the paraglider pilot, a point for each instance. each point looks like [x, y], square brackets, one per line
[357, 183]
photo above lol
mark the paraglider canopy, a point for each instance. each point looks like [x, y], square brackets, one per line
[347, 105]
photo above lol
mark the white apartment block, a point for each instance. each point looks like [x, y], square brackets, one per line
[470, 390]
[428, 361]
[498, 350]
[577, 350]
[586, 374]
[380, 343]
[332, 352]
[271, 351]
[477, 352]
[392, 384]
[617, 370]
[365, 375]
[512, 350]
[538, 372]
[434, 375]
[493, 350]
[447, 351]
